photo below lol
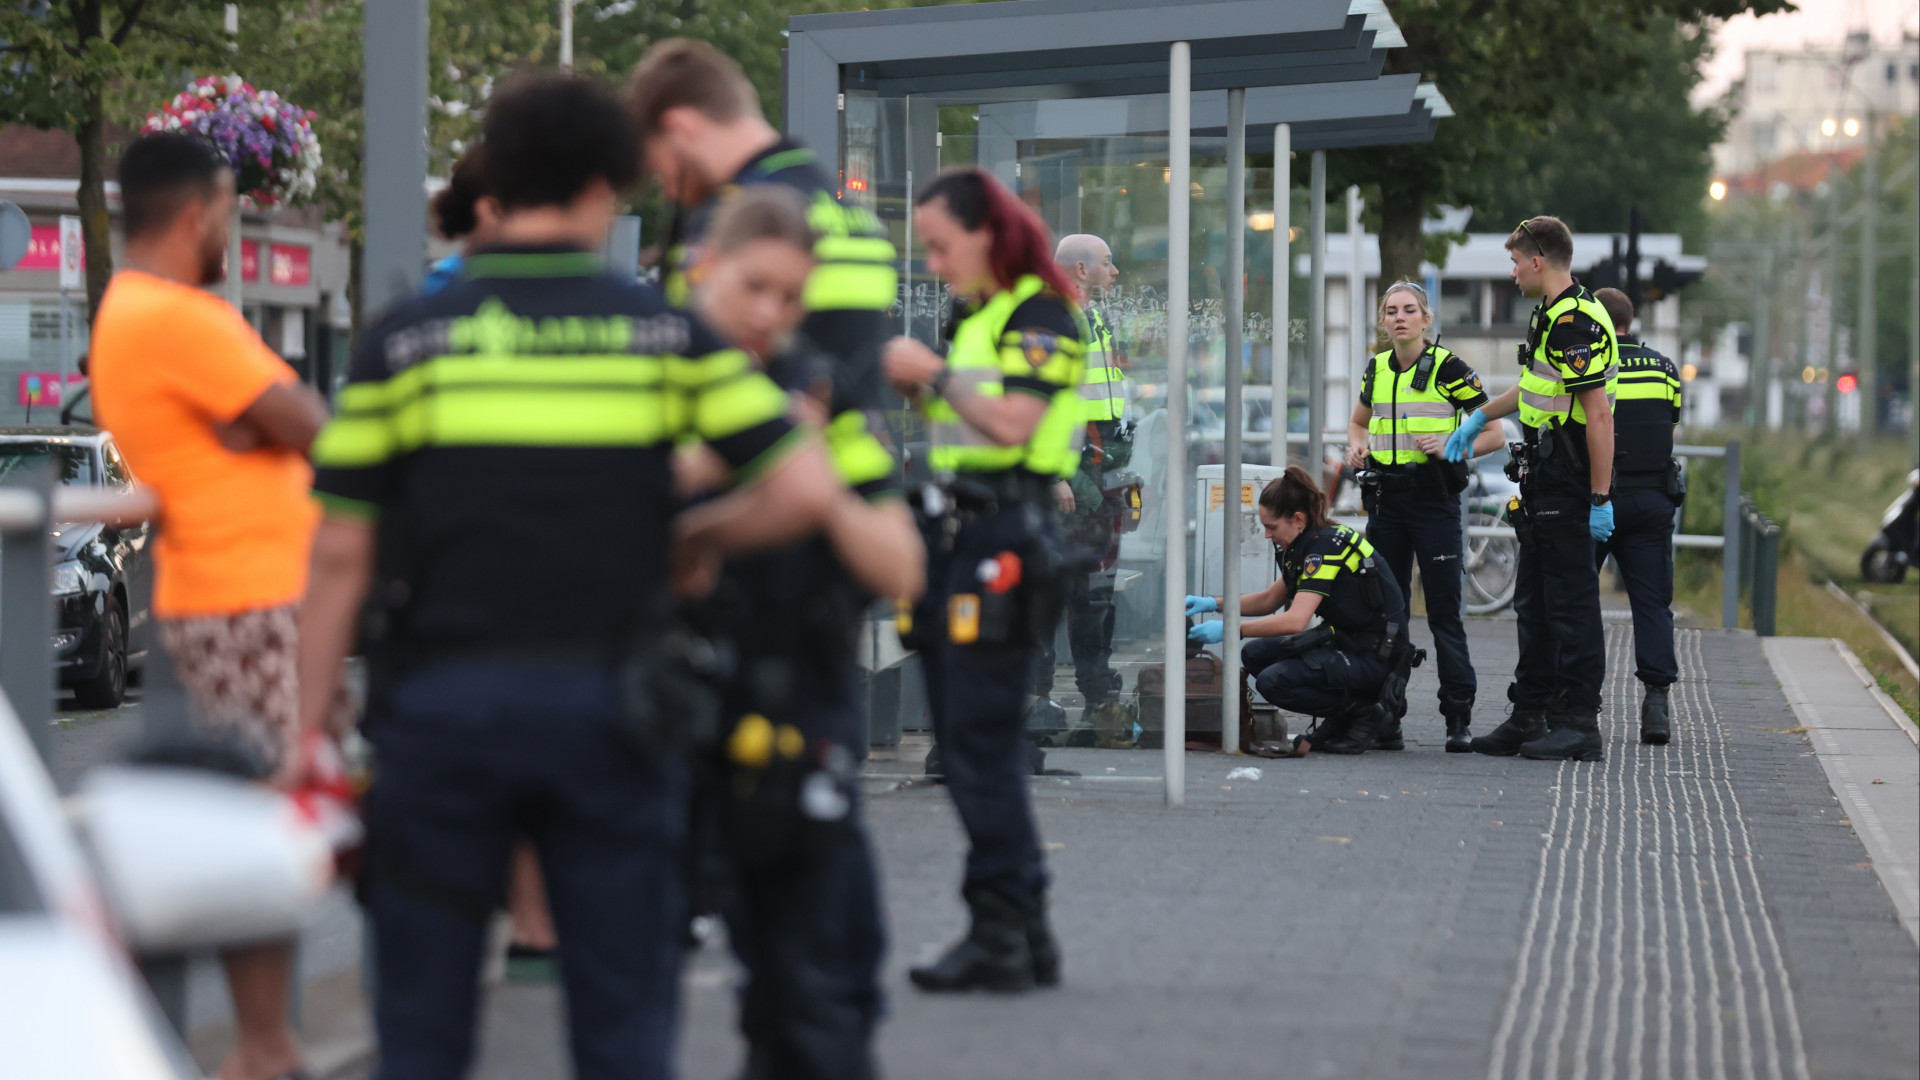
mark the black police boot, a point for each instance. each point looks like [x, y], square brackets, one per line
[993, 956]
[1041, 943]
[1656, 723]
[1366, 723]
[1390, 737]
[1525, 725]
[1459, 731]
[934, 769]
[1575, 737]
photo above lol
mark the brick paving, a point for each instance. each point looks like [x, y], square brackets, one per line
[1698, 910]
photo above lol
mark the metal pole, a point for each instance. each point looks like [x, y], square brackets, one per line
[1282, 279]
[1830, 416]
[1913, 329]
[1316, 312]
[396, 154]
[906, 248]
[1230, 523]
[66, 347]
[1761, 368]
[1179, 222]
[566, 33]
[235, 278]
[1730, 548]
[1866, 351]
[1357, 343]
[26, 615]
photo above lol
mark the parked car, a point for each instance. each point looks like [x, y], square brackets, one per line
[102, 577]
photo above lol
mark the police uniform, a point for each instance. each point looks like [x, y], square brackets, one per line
[1413, 503]
[1646, 491]
[1556, 683]
[994, 592]
[1093, 527]
[1343, 664]
[537, 399]
[803, 915]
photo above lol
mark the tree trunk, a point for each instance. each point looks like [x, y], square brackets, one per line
[1402, 245]
[95, 223]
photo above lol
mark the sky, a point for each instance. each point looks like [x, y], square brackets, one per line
[1823, 22]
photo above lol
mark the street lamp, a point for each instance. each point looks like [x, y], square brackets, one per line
[1716, 191]
[1828, 127]
[1851, 127]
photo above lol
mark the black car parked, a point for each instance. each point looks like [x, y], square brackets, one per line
[101, 577]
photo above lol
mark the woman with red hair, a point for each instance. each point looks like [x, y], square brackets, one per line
[1004, 418]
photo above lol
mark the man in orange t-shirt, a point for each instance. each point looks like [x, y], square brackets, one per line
[219, 427]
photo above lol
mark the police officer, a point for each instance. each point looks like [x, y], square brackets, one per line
[538, 389]
[1005, 418]
[1410, 401]
[1088, 517]
[1569, 368]
[1647, 491]
[803, 913]
[1339, 671]
[702, 135]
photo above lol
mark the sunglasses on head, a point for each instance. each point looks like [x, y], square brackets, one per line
[1541, 248]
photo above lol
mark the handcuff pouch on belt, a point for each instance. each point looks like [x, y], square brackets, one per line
[1015, 596]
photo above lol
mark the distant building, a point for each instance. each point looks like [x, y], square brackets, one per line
[294, 269]
[1798, 102]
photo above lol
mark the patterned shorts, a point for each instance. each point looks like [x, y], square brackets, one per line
[241, 672]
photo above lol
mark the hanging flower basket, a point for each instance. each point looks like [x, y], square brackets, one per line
[269, 142]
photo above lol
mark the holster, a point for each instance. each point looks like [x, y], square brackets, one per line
[669, 685]
[1402, 658]
[1306, 641]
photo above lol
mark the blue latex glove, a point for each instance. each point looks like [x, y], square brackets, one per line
[1460, 443]
[1600, 523]
[1208, 633]
[1201, 605]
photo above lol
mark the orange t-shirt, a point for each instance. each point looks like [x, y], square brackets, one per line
[167, 363]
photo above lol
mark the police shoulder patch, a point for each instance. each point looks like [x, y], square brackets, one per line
[1038, 347]
[1578, 357]
[1311, 566]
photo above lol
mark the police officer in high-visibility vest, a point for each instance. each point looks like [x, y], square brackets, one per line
[1088, 517]
[703, 136]
[1647, 490]
[1410, 400]
[1569, 370]
[1005, 421]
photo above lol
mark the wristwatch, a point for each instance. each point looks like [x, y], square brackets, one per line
[1600, 498]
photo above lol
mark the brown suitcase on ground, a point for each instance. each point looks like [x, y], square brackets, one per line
[1205, 674]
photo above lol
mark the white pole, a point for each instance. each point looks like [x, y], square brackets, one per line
[566, 33]
[1230, 512]
[1179, 222]
[1316, 312]
[66, 345]
[233, 283]
[1282, 279]
[1357, 342]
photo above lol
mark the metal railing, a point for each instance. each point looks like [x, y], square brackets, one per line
[1758, 545]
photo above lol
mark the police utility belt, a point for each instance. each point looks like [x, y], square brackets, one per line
[1551, 443]
[1010, 598]
[1671, 480]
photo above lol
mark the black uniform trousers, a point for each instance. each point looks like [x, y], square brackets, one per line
[809, 934]
[1563, 647]
[977, 696]
[475, 755]
[1319, 682]
[1642, 547]
[1417, 521]
[1089, 638]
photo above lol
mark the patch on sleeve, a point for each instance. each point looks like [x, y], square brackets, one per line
[1567, 318]
[1577, 358]
[1038, 347]
[1473, 380]
[1312, 565]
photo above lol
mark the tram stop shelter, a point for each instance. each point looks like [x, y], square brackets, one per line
[1094, 112]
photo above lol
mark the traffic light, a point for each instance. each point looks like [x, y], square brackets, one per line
[1847, 383]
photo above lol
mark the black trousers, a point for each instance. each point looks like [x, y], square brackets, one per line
[1403, 525]
[977, 697]
[1642, 547]
[1089, 637]
[1319, 682]
[1563, 647]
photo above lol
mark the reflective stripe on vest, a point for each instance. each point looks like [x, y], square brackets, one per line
[1104, 387]
[1401, 413]
[974, 360]
[1544, 399]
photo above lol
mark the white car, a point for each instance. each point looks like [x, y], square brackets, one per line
[148, 859]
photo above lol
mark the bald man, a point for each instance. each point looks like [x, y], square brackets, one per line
[1088, 517]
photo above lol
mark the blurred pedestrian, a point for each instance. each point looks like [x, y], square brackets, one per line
[803, 911]
[1005, 420]
[465, 213]
[1647, 491]
[218, 426]
[482, 429]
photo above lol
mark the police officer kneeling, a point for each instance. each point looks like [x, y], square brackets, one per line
[1648, 488]
[1351, 670]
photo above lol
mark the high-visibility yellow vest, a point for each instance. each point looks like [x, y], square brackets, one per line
[1408, 404]
[984, 351]
[1104, 388]
[1544, 398]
